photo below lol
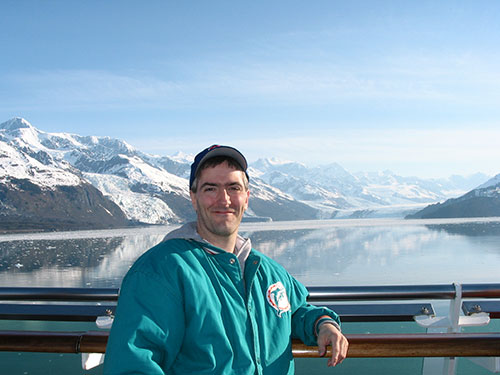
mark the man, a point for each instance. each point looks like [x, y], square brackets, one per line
[204, 302]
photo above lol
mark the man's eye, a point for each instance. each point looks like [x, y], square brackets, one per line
[209, 189]
[234, 188]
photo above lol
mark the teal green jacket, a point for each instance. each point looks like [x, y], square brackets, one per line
[185, 308]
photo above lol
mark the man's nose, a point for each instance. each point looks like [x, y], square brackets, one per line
[224, 197]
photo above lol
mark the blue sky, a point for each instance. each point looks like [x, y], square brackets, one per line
[413, 87]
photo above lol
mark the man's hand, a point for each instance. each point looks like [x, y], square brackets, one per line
[330, 335]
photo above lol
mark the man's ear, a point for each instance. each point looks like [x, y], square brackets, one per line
[193, 199]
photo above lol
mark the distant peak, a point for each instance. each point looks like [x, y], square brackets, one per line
[273, 161]
[277, 161]
[182, 157]
[16, 123]
[491, 182]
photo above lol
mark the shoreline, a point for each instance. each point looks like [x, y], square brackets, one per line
[162, 229]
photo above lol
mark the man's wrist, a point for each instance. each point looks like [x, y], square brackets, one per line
[325, 319]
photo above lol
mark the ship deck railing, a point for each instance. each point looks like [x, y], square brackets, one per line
[469, 304]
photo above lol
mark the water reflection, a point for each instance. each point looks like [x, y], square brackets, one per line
[333, 256]
[321, 255]
[113, 268]
[98, 262]
[27, 256]
[469, 229]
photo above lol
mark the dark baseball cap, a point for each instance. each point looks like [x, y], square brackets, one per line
[217, 150]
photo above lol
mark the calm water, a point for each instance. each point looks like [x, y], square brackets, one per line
[342, 252]
[347, 252]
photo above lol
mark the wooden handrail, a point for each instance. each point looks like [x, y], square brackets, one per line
[53, 342]
[360, 345]
[414, 345]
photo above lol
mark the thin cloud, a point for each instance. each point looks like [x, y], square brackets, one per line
[221, 83]
[89, 88]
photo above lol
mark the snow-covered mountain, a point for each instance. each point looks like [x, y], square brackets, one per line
[41, 190]
[127, 184]
[146, 188]
[490, 187]
[135, 182]
[25, 157]
[484, 201]
[338, 193]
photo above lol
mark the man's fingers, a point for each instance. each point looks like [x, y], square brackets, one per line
[330, 335]
[321, 349]
[335, 354]
[339, 351]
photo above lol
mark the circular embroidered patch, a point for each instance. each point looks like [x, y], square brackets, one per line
[277, 298]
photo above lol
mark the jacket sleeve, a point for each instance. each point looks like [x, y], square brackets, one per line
[148, 328]
[305, 315]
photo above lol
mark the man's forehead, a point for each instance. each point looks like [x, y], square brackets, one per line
[224, 171]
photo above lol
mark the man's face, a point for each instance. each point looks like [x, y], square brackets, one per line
[220, 201]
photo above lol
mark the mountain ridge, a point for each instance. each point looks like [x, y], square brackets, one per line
[152, 189]
[484, 201]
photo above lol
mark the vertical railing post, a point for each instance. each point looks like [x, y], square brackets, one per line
[455, 309]
[454, 316]
[452, 323]
[438, 365]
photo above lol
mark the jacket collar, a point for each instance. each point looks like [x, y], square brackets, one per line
[188, 232]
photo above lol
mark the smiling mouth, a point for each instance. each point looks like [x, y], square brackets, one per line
[223, 212]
